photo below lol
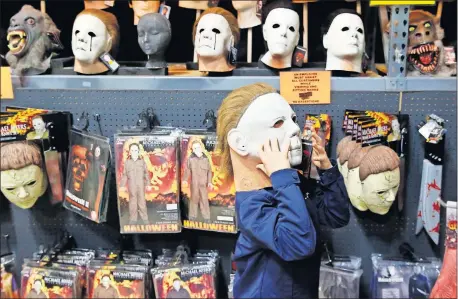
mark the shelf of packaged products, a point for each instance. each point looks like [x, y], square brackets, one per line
[65, 82]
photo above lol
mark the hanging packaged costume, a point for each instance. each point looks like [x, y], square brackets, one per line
[9, 288]
[147, 183]
[339, 283]
[321, 124]
[398, 278]
[208, 196]
[88, 175]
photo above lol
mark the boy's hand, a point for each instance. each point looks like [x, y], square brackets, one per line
[273, 156]
[319, 156]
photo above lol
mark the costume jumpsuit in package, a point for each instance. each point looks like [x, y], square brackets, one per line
[276, 253]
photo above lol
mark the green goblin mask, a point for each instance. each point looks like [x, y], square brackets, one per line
[32, 39]
[24, 186]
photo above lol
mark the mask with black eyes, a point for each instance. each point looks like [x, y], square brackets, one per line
[94, 32]
[215, 33]
[344, 41]
[281, 34]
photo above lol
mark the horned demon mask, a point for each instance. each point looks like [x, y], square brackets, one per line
[32, 39]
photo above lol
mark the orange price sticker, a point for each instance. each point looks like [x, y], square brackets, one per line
[306, 88]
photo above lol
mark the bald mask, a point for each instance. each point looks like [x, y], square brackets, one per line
[213, 42]
[154, 35]
[344, 42]
[143, 7]
[281, 32]
[194, 4]
[269, 116]
[246, 13]
[379, 190]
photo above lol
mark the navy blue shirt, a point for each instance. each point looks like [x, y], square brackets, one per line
[276, 253]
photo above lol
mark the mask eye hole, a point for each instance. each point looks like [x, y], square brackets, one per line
[30, 21]
[381, 192]
[345, 29]
[275, 26]
[278, 123]
[292, 29]
[91, 34]
[76, 32]
[294, 118]
[201, 30]
[360, 30]
[10, 189]
[31, 183]
[215, 30]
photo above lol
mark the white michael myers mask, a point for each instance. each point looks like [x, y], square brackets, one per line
[343, 167]
[379, 190]
[281, 31]
[355, 189]
[344, 41]
[213, 36]
[90, 38]
[269, 116]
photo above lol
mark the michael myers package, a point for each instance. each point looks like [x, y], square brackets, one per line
[396, 278]
[87, 186]
[321, 125]
[208, 196]
[147, 183]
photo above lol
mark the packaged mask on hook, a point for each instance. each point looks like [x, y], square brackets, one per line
[10, 288]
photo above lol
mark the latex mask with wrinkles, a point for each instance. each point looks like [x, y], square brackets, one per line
[94, 33]
[345, 148]
[154, 35]
[143, 7]
[23, 180]
[380, 178]
[281, 33]
[213, 39]
[344, 41]
[354, 186]
[247, 120]
[32, 39]
[246, 13]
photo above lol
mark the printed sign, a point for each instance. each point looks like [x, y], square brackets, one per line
[401, 2]
[306, 87]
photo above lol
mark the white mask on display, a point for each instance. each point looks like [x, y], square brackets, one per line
[213, 36]
[345, 43]
[90, 39]
[379, 190]
[246, 13]
[281, 32]
[269, 116]
[355, 189]
[343, 170]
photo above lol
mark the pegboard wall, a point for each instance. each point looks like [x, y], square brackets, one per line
[365, 234]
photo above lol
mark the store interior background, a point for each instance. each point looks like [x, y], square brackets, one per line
[64, 13]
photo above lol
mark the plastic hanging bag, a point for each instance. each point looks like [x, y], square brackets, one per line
[9, 287]
[339, 283]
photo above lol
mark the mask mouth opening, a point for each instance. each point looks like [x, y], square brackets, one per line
[425, 57]
[17, 40]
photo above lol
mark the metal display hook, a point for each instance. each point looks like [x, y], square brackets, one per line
[97, 118]
[83, 118]
[210, 121]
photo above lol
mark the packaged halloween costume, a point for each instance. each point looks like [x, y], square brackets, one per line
[147, 183]
[321, 125]
[86, 191]
[9, 288]
[208, 196]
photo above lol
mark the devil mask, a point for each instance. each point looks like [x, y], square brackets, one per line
[281, 34]
[246, 119]
[426, 50]
[215, 33]
[32, 39]
[154, 35]
[94, 33]
[343, 39]
[246, 13]
[143, 7]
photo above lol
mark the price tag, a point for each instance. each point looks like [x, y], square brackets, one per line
[306, 88]
[401, 2]
[6, 88]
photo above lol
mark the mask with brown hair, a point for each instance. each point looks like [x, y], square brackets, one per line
[380, 178]
[354, 186]
[23, 180]
[344, 150]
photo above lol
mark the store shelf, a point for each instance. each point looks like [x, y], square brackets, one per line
[66, 82]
